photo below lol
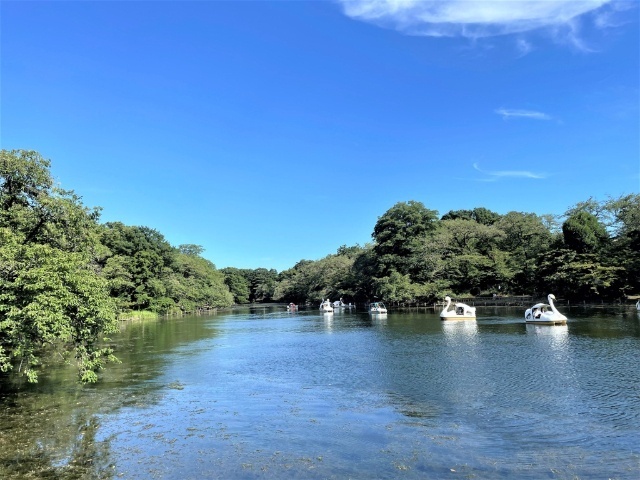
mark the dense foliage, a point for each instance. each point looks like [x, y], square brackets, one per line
[592, 255]
[52, 296]
[65, 278]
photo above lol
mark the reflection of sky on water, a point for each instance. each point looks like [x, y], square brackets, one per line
[271, 395]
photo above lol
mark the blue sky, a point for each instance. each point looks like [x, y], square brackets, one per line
[274, 131]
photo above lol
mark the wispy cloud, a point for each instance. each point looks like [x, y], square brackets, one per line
[616, 16]
[498, 174]
[523, 46]
[480, 18]
[508, 113]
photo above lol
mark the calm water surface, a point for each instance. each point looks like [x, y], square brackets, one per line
[262, 393]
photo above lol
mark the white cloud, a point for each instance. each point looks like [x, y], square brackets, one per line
[471, 19]
[508, 113]
[523, 46]
[495, 175]
[616, 16]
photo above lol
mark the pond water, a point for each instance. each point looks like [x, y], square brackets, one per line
[263, 393]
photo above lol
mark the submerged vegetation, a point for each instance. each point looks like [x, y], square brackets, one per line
[65, 278]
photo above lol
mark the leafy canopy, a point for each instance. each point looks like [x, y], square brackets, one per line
[52, 297]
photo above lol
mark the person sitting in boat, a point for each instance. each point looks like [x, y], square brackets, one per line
[460, 311]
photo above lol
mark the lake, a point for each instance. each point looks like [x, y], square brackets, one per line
[260, 393]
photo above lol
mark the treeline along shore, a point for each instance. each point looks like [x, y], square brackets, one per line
[66, 278]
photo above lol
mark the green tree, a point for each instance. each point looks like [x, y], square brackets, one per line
[364, 271]
[191, 249]
[624, 249]
[195, 283]
[584, 233]
[610, 231]
[462, 255]
[52, 298]
[291, 285]
[137, 262]
[479, 214]
[312, 281]
[527, 236]
[398, 235]
[395, 288]
[237, 283]
[579, 276]
[262, 284]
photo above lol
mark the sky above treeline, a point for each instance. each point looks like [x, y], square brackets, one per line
[274, 131]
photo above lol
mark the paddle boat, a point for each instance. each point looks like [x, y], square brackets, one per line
[545, 314]
[461, 311]
[325, 306]
[340, 304]
[638, 305]
[292, 307]
[377, 307]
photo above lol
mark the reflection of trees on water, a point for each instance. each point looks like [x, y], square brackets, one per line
[50, 430]
[67, 452]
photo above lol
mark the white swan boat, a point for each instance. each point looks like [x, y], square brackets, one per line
[377, 307]
[638, 305]
[461, 311]
[340, 304]
[545, 314]
[325, 306]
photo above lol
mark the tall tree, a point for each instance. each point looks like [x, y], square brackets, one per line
[51, 295]
[464, 255]
[583, 233]
[237, 283]
[137, 263]
[480, 214]
[262, 284]
[579, 276]
[398, 234]
[194, 282]
[526, 238]
[624, 250]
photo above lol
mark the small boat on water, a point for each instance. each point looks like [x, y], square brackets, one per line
[325, 306]
[340, 304]
[461, 311]
[545, 314]
[377, 307]
[638, 305]
[292, 307]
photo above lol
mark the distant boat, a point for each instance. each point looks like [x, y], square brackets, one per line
[340, 304]
[545, 314]
[325, 306]
[461, 311]
[292, 306]
[638, 305]
[377, 307]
